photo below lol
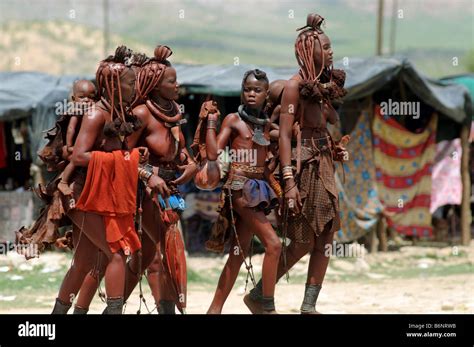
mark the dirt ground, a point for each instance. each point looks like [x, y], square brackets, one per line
[410, 280]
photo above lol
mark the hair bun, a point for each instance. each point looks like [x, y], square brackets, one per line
[259, 74]
[162, 53]
[314, 21]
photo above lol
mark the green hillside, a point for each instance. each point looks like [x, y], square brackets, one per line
[57, 36]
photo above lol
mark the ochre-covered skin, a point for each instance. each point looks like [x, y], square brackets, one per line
[305, 109]
[208, 176]
[159, 114]
[89, 234]
[239, 134]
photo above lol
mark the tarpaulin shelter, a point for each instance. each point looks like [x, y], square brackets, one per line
[366, 80]
[34, 95]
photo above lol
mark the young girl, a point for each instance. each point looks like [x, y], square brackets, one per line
[247, 190]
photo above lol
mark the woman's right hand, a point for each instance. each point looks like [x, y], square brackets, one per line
[292, 197]
[158, 185]
[214, 116]
[207, 108]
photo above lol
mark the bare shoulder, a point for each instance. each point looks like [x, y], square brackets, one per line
[293, 84]
[231, 119]
[95, 117]
[142, 112]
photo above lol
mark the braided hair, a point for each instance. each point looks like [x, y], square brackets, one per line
[151, 72]
[137, 61]
[108, 75]
[313, 70]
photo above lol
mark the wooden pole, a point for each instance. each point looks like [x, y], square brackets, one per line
[382, 234]
[380, 28]
[106, 32]
[377, 241]
[393, 28]
[373, 240]
[466, 217]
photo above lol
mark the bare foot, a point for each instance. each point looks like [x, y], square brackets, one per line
[64, 188]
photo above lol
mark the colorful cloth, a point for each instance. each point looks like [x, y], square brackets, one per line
[111, 191]
[358, 196]
[256, 192]
[446, 176]
[175, 202]
[404, 163]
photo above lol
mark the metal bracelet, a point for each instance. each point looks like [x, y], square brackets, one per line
[144, 175]
[211, 124]
[145, 172]
[287, 169]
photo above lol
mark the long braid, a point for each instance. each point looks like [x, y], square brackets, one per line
[139, 60]
[304, 51]
[122, 112]
[152, 71]
[108, 77]
[149, 77]
[313, 70]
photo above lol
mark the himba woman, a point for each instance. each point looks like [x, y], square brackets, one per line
[157, 92]
[311, 195]
[103, 216]
[156, 85]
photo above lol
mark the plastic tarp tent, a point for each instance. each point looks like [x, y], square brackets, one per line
[465, 80]
[364, 77]
[33, 95]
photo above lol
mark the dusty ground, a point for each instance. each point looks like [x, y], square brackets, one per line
[411, 280]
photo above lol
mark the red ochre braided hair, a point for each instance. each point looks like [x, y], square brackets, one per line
[108, 75]
[151, 72]
[319, 83]
[137, 61]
